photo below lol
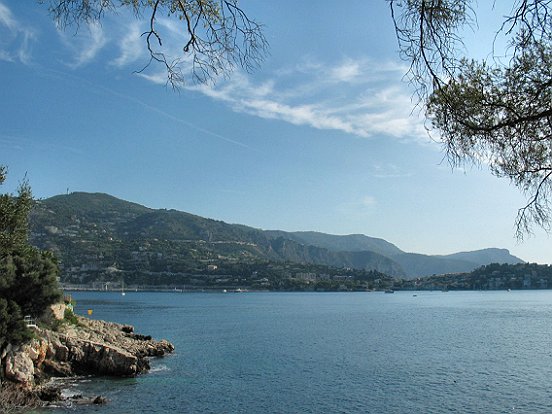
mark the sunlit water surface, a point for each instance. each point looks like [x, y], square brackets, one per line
[409, 352]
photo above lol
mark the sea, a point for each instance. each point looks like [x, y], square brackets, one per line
[407, 352]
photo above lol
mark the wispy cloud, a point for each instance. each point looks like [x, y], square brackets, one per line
[84, 44]
[346, 72]
[160, 78]
[6, 17]
[131, 46]
[358, 97]
[133, 50]
[16, 38]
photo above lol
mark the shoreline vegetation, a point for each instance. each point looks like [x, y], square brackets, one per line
[73, 346]
[490, 277]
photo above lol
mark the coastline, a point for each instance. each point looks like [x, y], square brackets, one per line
[84, 348]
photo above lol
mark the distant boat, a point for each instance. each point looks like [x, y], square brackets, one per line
[389, 291]
[123, 288]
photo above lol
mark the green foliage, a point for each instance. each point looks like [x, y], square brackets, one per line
[497, 111]
[14, 212]
[28, 276]
[30, 279]
[70, 317]
[502, 116]
[12, 327]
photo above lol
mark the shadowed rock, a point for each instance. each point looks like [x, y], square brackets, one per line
[90, 347]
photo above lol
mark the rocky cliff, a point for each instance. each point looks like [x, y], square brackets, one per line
[89, 347]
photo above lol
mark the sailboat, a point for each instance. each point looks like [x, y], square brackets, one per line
[123, 288]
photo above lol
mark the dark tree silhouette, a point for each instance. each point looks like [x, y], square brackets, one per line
[28, 276]
[496, 112]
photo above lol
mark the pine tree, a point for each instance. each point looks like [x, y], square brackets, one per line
[28, 276]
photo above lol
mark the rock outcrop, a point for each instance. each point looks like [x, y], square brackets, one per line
[89, 347]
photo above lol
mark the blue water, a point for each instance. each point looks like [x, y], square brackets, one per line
[454, 352]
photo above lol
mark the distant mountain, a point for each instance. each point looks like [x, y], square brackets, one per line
[93, 231]
[485, 256]
[416, 265]
[349, 243]
[422, 265]
[412, 264]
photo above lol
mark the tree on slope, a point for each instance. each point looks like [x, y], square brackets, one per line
[28, 276]
[497, 111]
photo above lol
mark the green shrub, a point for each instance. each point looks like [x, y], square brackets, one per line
[70, 317]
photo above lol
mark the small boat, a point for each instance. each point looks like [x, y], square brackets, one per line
[389, 291]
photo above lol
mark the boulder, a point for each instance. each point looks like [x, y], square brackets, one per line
[99, 400]
[57, 311]
[57, 368]
[19, 367]
[32, 350]
[101, 359]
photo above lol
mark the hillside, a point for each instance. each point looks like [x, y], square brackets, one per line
[489, 277]
[96, 233]
[99, 236]
[348, 243]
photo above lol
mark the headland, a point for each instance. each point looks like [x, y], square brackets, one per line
[80, 347]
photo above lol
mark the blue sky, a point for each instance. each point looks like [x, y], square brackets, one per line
[322, 137]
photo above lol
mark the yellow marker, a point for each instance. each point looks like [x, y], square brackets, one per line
[90, 311]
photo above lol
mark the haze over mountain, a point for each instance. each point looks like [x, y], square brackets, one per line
[413, 264]
[100, 231]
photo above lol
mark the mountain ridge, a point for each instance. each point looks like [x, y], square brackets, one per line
[98, 230]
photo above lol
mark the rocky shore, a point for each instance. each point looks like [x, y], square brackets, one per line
[87, 347]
